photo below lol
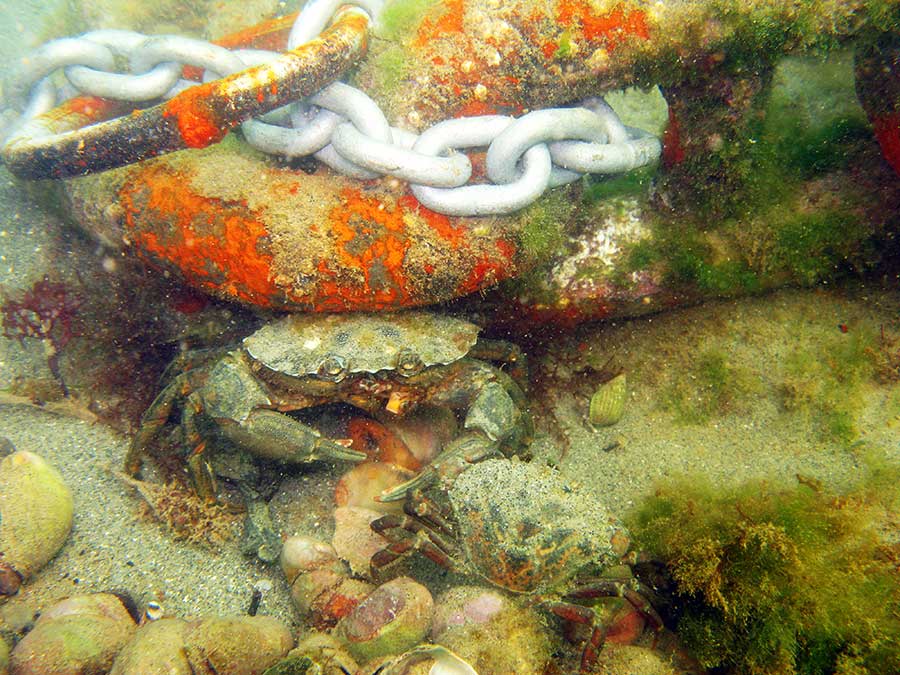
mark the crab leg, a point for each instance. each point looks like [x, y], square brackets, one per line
[156, 416]
[630, 589]
[430, 544]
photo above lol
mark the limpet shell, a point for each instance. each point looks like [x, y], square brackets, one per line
[608, 402]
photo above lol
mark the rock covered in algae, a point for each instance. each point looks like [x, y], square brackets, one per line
[4, 657]
[395, 617]
[621, 659]
[473, 620]
[155, 649]
[35, 517]
[80, 635]
[240, 645]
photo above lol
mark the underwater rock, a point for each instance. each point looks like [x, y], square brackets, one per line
[395, 617]
[473, 620]
[320, 582]
[157, 648]
[608, 402]
[241, 645]
[354, 539]
[80, 635]
[4, 657]
[364, 482]
[326, 652]
[35, 517]
[425, 430]
[627, 659]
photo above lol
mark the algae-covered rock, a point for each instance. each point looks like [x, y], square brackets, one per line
[473, 620]
[394, 618]
[35, 517]
[157, 648]
[242, 645]
[622, 659]
[4, 657]
[80, 635]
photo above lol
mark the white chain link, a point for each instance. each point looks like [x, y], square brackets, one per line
[346, 130]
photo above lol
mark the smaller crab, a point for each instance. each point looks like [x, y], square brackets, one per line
[384, 364]
[521, 528]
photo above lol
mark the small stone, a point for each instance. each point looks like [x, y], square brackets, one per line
[35, 517]
[81, 634]
[394, 618]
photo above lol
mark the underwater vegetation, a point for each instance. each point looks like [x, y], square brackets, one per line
[46, 311]
[784, 580]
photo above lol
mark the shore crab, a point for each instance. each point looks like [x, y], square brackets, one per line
[384, 364]
[520, 527]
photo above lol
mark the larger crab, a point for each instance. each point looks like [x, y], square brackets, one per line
[384, 364]
[520, 527]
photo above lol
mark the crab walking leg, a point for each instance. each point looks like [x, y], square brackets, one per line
[202, 475]
[274, 435]
[157, 415]
[406, 536]
[585, 616]
[631, 589]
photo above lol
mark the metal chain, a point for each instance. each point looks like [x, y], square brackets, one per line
[346, 130]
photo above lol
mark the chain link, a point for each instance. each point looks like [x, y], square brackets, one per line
[345, 129]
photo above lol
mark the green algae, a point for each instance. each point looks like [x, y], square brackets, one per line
[712, 386]
[399, 18]
[825, 381]
[781, 579]
[543, 232]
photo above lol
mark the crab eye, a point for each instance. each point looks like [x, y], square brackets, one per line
[409, 363]
[333, 369]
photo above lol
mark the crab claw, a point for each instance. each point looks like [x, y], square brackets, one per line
[465, 450]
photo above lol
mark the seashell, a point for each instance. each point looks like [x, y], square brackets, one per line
[425, 430]
[395, 617]
[81, 634]
[608, 402]
[154, 611]
[35, 517]
[443, 662]
[380, 443]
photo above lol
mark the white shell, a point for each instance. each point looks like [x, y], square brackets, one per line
[444, 662]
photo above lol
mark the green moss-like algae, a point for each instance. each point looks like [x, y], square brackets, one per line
[789, 580]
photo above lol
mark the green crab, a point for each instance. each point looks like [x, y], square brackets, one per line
[520, 527]
[385, 364]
